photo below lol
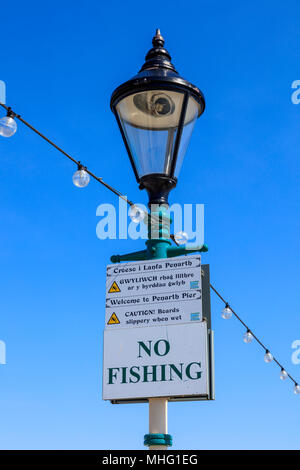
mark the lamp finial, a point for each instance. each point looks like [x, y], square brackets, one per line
[158, 40]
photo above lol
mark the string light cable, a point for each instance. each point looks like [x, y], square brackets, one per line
[81, 178]
[227, 312]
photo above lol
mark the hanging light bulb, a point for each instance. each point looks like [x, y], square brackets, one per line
[226, 312]
[283, 374]
[81, 178]
[248, 337]
[8, 126]
[136, 214]
[297, 389]
[181, 238]
[268, 356]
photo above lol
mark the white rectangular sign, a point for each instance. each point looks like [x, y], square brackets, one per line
[154, 292]
[159, 361]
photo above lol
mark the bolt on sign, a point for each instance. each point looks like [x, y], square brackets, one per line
[154, 292]
[164, 358]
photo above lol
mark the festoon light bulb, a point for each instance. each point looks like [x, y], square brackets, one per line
[226, 312]
[283, 374]
[268, 356]
[181, 238]
[81, 178]
[8, 126]
[248, 337]
[136, 213]
[297, 389]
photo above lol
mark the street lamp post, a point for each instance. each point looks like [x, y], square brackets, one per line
[156, 111]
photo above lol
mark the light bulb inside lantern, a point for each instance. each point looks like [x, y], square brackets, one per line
[136, 214]
[81, 178]
[226, 313]
[283, 374]
[248, 337]
[181, 238]
[268, 357]
[8, 126]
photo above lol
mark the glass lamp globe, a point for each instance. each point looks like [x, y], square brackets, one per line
[226, 313]
[8, 126]
[181, 238]
[150, 122]
[81, 178]
[268, 357]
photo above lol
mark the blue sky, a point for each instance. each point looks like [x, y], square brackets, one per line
[61, 61]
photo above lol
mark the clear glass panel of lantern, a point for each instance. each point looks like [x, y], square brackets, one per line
[150, 121]
[189, 122]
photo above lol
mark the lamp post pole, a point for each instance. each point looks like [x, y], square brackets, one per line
[158, 420]
[158, 244]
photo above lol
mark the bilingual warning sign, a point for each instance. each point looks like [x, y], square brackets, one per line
[154, 292]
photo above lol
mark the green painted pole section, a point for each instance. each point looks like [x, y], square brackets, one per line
[159, 242]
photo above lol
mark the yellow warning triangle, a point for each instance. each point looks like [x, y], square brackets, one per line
[114, 288]
[113, 320]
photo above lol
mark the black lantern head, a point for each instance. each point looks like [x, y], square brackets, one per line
[156, 111]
